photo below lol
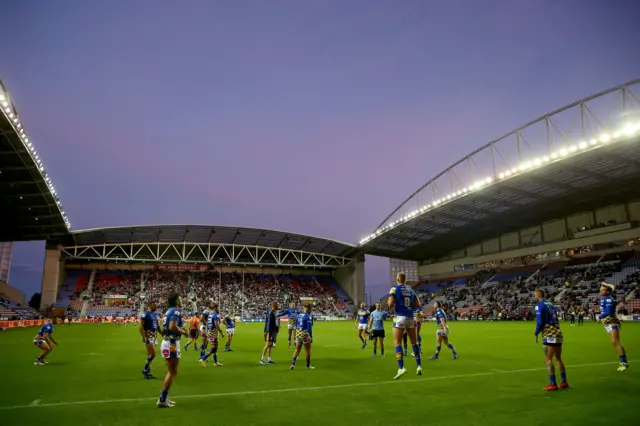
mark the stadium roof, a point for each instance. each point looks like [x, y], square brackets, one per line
[203, 234]
[488, 193]
[29, 205]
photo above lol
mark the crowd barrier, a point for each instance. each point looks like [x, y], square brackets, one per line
[21, 323]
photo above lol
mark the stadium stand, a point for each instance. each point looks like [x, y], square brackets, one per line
[10, 310]
[571, 283]
[249, 300]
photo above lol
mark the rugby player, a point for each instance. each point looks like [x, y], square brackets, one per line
[204, 343]
[376, 328]
[547, 323]
[304, 336]
[170, 347]
[291, 312]
[213, 328]
[442, 332]
[230, 328]
[148, 327]
[418, 317]
[270, 332]
[194, 327]
[611, 322]
[572, 316]
[45, 341]
[362, 323]
[580, 316]
[403, 299]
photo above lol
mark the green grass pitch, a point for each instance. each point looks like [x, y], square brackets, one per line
[94, 378]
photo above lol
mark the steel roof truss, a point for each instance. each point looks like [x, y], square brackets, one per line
[237, 254]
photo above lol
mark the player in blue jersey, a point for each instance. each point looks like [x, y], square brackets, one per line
[547, 323]
[403, 299]
[611, 322]
[213, 329]
[304, 336]
[148, 327]
[442, 331]
[230, 328]
[170, 348]
[45, 341]
[291, 313]
[376, 328]
[418, 317]
[204, 341]
[270, 332]
[362, 322]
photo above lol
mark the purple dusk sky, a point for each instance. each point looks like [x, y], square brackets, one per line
[316, 117]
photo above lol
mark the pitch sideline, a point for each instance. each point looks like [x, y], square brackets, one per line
[312, 388]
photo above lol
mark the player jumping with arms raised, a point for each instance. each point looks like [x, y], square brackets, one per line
[547, 323]
[442, 332]
[403, 299]
[45, 341]
[611, 322]
[361, 323]
[170, 347]
[148, 327]
[304, 336]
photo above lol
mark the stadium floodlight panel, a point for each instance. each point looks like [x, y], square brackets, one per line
[628, 129]
[12, 115]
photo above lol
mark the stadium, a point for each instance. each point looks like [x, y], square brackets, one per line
[554, 204]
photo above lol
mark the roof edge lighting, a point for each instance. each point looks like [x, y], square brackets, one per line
[10, 112]
[627, 131]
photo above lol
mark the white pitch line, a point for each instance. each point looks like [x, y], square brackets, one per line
[260, 392]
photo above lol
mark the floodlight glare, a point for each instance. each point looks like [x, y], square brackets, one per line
[605, 137]
[628, 129]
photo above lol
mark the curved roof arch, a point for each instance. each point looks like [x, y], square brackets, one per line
[623, 88]
[575, 158]
[203, 234]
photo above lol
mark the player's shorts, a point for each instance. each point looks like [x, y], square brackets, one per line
[193, 333]
[377, 333]
[362, 326]
[291, 326]
[403, 322]
[203, 332]
[230, 331]
[38, 341]
[151, 341]
[213, 336]
[302, 337]
[442, 332]
[552, 341]
[610, 327]
[271, 336]
[170, 348]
